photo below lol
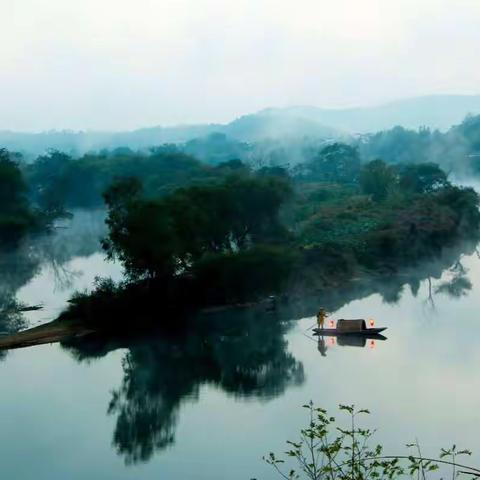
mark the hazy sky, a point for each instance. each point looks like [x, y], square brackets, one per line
[120, 64]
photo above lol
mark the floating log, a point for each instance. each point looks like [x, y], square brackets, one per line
[30, 308]
[51, 332]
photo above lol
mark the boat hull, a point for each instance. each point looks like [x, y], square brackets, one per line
[325, 332]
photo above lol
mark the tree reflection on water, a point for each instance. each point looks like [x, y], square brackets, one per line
[244, 357]
[244, 354]
[17, 267]
[78, 236]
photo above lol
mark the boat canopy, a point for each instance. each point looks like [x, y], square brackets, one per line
[351, 325]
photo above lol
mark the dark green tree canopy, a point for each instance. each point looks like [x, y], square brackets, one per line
[16, 216]
[162, 237]
[377, 179]
[337, 162]
[13, 188]
[422, 178]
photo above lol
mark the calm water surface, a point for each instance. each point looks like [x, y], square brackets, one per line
[211, 404]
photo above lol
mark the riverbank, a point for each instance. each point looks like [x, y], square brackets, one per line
[211, 248]
[123, 321]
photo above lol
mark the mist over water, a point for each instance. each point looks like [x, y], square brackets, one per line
[145, 407]
[211, 154]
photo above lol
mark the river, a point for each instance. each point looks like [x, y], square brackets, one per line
[209, 405]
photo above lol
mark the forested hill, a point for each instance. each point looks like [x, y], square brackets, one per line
[249, 128]
[56, 179]
[435, 112]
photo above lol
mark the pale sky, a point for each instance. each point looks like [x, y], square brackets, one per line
[123, 64]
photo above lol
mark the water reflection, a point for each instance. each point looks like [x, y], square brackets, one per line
[351, 340]
[458, 285]
[445, 275]
[16, 269]
[78, 236]
[244, 355]
[11, 318]
[322, 346]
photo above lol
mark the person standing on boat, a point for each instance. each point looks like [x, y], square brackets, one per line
[321, 316]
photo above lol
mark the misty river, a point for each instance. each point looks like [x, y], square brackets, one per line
[210, 405]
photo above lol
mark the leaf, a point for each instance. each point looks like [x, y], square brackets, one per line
[348, 408]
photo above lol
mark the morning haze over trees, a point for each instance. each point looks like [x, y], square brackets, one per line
[217, 224]
[223, 220]
[301, 214]
[222, 241]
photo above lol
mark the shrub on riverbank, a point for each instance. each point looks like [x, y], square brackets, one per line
[402, 229]
[326, 449]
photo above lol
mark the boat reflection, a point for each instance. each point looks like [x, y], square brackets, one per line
[350, 340]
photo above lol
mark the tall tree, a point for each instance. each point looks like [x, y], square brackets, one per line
[377, 179]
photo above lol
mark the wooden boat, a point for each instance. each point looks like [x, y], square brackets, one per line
[326, 332]
[356, 327]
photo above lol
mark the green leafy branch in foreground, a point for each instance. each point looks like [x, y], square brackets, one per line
[327, 451]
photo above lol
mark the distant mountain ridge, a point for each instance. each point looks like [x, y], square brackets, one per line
[438, 112]
[435, 111]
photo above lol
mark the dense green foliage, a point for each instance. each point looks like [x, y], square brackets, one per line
[377, 179]
[235, 233]
[252, 234]
[245, 275]
[16, 216]
[56, 178]
[380, 180]
[414, 218]
[456, 150]
[160, 237]
[337, 163]
[224, 239]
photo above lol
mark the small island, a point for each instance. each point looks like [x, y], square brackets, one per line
[247, 234]
[235, 236]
